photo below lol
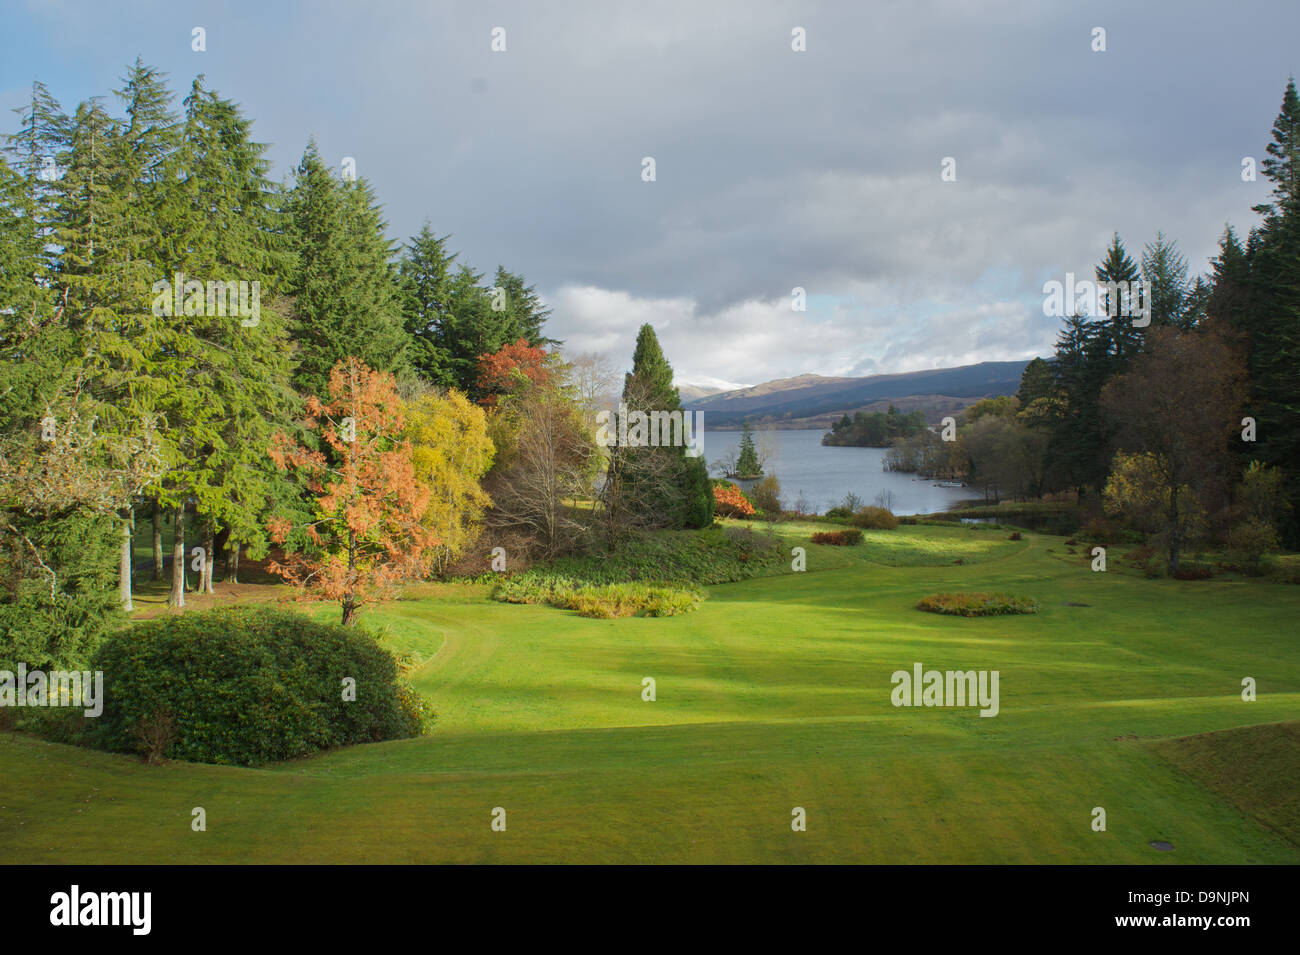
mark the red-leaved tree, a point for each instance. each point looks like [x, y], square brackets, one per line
[504, 370]
[367, 534]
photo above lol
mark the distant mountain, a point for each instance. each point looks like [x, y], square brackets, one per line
[703, 386]
[812, 401]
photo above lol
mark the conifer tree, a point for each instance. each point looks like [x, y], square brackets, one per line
[426, 278]
[685, 499]
[232, 238]
[1164, 270]
[345, 291]
[747, 465]
[1273, 325]
[122, 178]
[1125, 336]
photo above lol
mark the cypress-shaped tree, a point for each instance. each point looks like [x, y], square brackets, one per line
[679, 494]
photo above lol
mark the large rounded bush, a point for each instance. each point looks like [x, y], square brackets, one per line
[249, 686]
[874, 518]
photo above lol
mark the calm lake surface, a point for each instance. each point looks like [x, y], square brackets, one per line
[801, 462]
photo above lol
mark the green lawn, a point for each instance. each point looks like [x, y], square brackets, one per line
[774, 694]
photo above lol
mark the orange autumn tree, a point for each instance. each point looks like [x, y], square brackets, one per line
[368, 533]
[731, 502]
[504, 370]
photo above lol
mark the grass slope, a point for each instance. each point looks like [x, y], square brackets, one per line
[1256, 769]
[774, 694]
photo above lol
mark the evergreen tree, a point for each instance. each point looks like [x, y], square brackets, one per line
[1125, 337]
[1229, 299]
[123, 177]
[233, 235]
[1079, 439]
[345, 291]
[1036, 381]
[34, 346]
[681, 495]
[454, 319]
[1164, 270]
[1273, 309]
[747, 465]
[1282, 166]
[471, 329]
[426, 276]
[651, 377]
[35, 151]
[525, 312]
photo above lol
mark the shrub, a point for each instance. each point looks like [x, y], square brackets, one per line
[156, 733]
[978, 604]
[1098, 529]
[766, 495]
[530, 589]
[699, 506]
[731, 501]
[746, 543]
[838, 514]
[1140, 555]
[1014, 536]
[605, 601]
[248, 686]
[848, 538]
[874, 518]
[1146, 559]
[626, 600]
[697, 558]
[1251, 545]
[1193, 572]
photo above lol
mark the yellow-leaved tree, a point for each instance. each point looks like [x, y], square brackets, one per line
[451, 451]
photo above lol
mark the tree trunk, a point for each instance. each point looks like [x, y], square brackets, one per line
[157, 540]
[232, 561]
[350, 599]
[124, 563]
[177, 596]
[209, 560]
[1175, 545]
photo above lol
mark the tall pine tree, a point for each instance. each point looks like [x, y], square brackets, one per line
[345, 290]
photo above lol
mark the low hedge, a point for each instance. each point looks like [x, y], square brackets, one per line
[602, 600]
[248, 686]
[849, 538]
[978, 604]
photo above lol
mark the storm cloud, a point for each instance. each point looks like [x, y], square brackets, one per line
[775, 169]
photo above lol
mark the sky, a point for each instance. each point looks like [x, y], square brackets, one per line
[774, 168]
